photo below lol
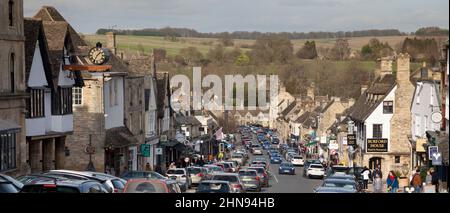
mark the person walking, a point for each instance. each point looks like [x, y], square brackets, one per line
[378, 172]
[377, 184]
[365, 173]
[435, 179]
[416, 182]
[392, 182]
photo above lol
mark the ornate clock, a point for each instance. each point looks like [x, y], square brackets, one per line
[98, 55]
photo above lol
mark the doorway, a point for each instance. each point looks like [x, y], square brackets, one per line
[374, 162]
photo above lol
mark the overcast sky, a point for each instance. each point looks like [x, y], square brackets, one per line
[250, 15]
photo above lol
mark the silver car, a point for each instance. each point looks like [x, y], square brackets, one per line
[232, 178]
[181, 176]
[196, 174]
[250, 179]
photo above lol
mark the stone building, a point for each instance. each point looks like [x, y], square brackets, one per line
[382, 117]
[13, 148]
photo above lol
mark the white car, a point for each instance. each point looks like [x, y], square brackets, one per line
[181, 176]
[238, 158]
[297, 160]
[315, 170]
[196, 174]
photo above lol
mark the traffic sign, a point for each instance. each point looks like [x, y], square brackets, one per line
[159, 151]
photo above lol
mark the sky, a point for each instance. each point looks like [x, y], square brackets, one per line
[87, 16]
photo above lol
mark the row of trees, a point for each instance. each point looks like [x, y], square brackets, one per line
[185, 32]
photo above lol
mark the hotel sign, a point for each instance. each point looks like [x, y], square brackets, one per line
[377, 145]
[351, 139]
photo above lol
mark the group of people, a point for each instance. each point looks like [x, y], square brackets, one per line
[392, 180]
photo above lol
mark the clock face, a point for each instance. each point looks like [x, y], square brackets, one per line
[97, 56]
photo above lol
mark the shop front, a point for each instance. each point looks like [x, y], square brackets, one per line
[121, 153]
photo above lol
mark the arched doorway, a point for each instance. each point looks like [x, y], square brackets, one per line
[374, 162]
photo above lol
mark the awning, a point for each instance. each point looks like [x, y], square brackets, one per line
[176, 145]
[119, 137]
[8, 126]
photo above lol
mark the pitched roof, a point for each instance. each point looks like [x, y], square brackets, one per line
[365, 105]
[303, 117]
[34, 34]
[289, 109]
[187, 120]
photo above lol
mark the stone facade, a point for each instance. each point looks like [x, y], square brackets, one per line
[12, 97]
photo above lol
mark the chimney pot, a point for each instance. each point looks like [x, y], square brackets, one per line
[111, 42]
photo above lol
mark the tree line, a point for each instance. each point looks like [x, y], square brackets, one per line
[185, 32]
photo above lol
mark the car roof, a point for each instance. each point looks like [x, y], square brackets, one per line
[325, 189]
[315, 164]
[67, 182]
[146, 180]
[338, 181]
[247, 170]
[225, 174]
[215, 181]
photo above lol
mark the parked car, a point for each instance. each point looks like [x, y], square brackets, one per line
[173, 186]
[214, 186]
[315, 170]
[115, 183]
[65, 186]
[8, 182]
[262, 174]
[75, 175]
[129, 175]
[181, 176]
[196, 174]
[286, 168]
[250, 179]
[146, 186]
[232, 178]
[297, 160]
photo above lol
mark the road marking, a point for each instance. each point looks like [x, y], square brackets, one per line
[274, 176]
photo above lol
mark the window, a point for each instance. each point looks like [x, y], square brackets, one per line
[11, 12]
[77, 93]
[388, 107]
[397, 159]
[113, 90]
[7, 151]
[116, 86]
[12, 72]
[62, 101]
[36, 104]
[377, 131]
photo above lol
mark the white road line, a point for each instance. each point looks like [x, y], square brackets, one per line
[276, 179]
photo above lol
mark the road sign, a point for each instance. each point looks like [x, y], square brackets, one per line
[435, 156]
[145, 150]
[159, 151]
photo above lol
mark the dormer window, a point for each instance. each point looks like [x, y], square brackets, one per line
[11, 12]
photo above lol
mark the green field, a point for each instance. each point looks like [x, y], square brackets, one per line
[147, 43]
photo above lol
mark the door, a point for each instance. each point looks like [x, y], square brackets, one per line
[374, 162]
[132, 158]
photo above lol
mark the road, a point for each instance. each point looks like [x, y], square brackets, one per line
[287, 183]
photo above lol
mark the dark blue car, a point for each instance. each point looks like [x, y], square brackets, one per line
[275, 159]
[286, 168]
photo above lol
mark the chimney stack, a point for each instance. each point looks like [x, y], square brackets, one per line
[153, 64]
[310, 91]
[111, 42]
[403, 69]
[385, 66]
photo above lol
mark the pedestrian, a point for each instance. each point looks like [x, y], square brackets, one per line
[172, 166]
[377, 184]
[392, 182]
[378, 171]
[365, 174]
[435, 179]
[416, 182]
[147, 167]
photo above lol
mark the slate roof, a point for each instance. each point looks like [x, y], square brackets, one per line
[187, 120]
[303, 117]
[289, 109]
[364, 106]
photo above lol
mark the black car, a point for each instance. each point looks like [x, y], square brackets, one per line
[65, 186]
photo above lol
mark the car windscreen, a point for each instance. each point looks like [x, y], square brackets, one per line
[229, 178]
[216, 187]
[316, 166]
[145, 187]
[236, 156]
[259, 170]
[247, 173]
[175, 172]
[298, 157]
[48, 189]
[286, 165]
[6, 187]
